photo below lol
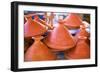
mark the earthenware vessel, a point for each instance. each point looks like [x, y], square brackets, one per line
[80, 51]
[82, 32]
[39, 51]
[59, 38]
[73, 21]
[33, 28]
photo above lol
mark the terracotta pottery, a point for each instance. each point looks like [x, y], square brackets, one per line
[82, 33]
[73, 21]
[39, 52]
[81, 51]
[59, 38]
[33, 28]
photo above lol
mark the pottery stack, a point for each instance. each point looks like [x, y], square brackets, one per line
[49, 42]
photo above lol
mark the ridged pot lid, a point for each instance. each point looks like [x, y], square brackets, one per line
[33, 28]
[59, 38]
[73, 21]
[39, 52]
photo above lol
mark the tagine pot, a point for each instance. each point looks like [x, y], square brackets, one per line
[33, 28]
[39, 51]
[80, 51]
[82, 32]
[59, 38]
[73, 21]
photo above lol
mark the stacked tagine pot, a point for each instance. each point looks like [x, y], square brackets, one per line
[84, 33]
[33, 27]
[37, 51]
[82, 49]
[59, 38]
[73, 22]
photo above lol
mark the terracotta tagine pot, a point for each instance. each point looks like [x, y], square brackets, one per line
[39, 51]
[73, 21]
[33, 28]
[59, 38]
[80, 51]
[82, 32]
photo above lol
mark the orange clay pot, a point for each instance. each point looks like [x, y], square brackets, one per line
[81, 51]
[73, 21]
[33, 28]
[39, 52]
[82, 33]
[59, 38]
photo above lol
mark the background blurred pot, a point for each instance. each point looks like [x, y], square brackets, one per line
[73, 21]
[82, 32]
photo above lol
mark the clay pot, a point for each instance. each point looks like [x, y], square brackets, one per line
[59, 38]
[80, 51]
[33, 28]
[39, 52]
[83, 33]
[73, 21]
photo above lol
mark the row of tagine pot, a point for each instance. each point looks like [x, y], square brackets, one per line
[45, 42]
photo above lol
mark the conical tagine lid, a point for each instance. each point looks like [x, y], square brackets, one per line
[73, 21]
[81, 51]
[39, 52]
[59, 38]
[33, 28]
